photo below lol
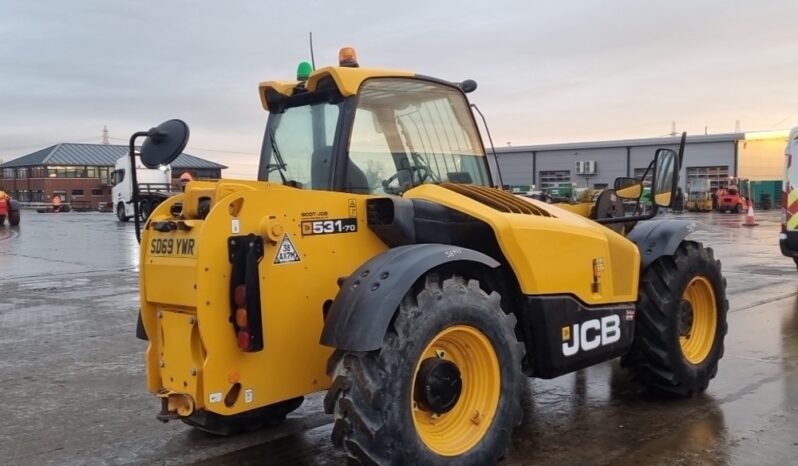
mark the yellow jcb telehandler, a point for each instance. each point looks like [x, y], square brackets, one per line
[375, 259]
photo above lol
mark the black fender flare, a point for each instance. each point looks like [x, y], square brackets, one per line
[369, 297]
[657, 238]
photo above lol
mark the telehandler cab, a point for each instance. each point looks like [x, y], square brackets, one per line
[375, 259]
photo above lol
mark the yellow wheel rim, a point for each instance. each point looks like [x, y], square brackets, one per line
[698, 320]
[460, 429]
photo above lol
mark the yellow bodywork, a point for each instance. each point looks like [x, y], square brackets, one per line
[185, 298]
[186, 304]
[348, 80]
[193, 359]
[554, 255]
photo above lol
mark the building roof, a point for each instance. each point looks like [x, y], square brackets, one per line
[659, 141]
[95, 155]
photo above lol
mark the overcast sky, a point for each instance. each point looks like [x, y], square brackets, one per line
[547, 71]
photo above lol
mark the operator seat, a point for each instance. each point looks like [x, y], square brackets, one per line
[609, 205]
[356, 181]
[320, 166]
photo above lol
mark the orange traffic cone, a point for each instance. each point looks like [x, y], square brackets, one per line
[749, 217]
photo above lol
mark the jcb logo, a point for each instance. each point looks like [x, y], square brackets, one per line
[591, 334]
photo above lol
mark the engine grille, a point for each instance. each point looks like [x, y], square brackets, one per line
[496, 199]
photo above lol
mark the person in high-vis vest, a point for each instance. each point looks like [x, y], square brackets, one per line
[184, 179]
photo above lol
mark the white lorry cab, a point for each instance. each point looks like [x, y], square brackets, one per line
[155, 185]
[788, 238]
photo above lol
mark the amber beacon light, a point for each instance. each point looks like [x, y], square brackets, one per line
[347, 57]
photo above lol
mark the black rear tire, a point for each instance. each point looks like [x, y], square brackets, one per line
[657, 359]
[371, 394]
[2, 220]
[13, 218]
[120, 213]
[216, 424]
[737, 209]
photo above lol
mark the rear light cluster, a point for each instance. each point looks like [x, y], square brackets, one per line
[245, 253]
[241, 318]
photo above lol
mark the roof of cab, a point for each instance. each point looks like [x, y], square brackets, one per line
[347, 79]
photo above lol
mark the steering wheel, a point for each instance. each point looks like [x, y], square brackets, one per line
[417, 173]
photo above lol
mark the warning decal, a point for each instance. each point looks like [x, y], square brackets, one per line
[286, 253]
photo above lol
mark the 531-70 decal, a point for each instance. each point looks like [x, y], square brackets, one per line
[330, 226]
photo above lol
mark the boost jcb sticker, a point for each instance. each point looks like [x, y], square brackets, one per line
[286, 252]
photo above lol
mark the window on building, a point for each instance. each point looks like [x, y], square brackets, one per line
[38, 196]
[9, 173]
[77, 192]
[104, 173]
[96, 192]
[600, 185]
[198, 173]
[717, 176]
[549, 179]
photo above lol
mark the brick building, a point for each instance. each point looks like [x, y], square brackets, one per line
[82, 173]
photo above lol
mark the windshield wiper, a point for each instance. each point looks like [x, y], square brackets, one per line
[280, 165]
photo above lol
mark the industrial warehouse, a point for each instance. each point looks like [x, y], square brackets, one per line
[709, 162]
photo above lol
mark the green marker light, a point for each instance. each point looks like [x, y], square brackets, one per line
[303, 71]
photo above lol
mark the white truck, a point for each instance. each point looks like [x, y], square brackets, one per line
[155, 185]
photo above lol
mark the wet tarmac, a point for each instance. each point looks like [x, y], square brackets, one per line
[73, 387]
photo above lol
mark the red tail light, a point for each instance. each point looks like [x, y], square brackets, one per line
[243, 339]
[245, 253]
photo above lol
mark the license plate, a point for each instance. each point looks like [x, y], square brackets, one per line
[180, 247]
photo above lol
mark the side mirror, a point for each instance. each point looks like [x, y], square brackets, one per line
[666, 173]
[164, 143]
[628, 188]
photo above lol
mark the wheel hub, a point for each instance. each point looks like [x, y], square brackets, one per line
[685, 318]
[438, 385]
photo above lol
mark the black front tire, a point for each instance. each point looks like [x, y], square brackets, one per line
[371, 391]
[656, 359]
[120, 213]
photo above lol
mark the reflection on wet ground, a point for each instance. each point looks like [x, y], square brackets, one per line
[72, 284]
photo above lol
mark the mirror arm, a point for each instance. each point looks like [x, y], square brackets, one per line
[134, 179]
[635, 218]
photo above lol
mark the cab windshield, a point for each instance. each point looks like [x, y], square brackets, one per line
[408, 132]
[405, 132]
